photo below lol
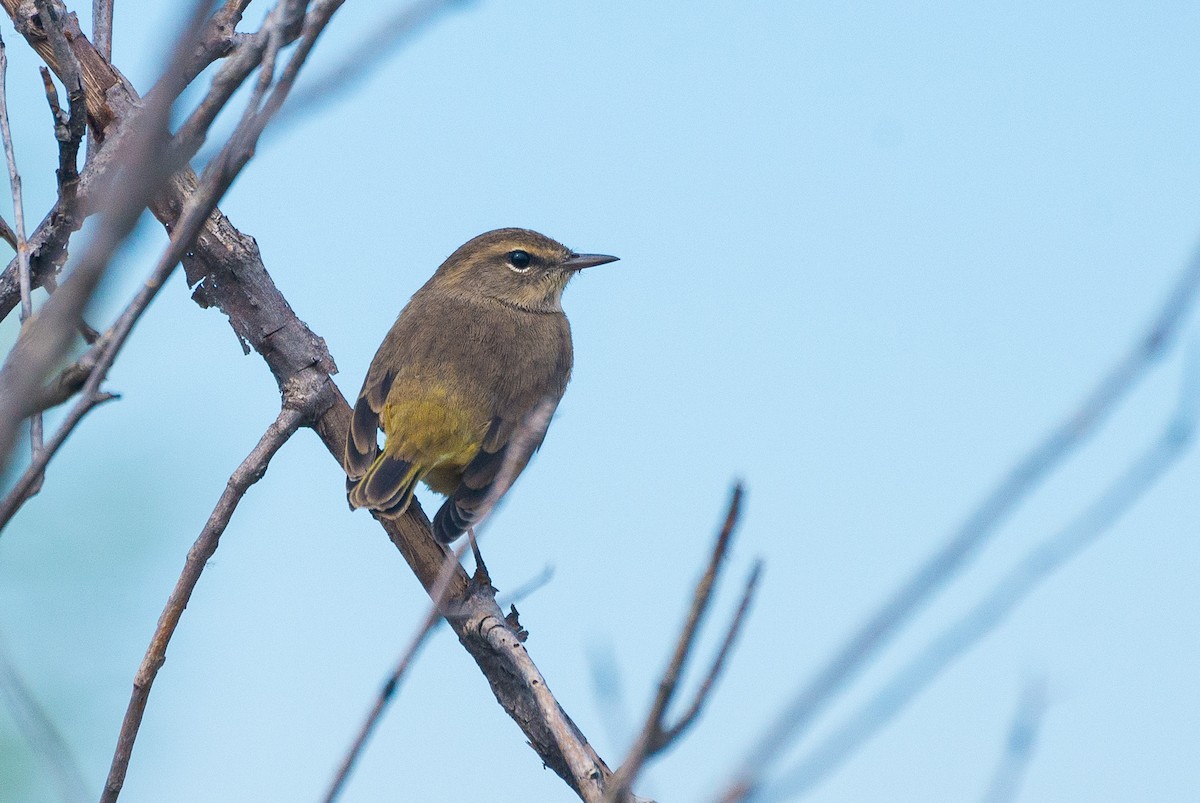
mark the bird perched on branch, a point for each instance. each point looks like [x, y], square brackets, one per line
[479, 349]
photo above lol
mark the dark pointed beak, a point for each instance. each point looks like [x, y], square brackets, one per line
[581, 261]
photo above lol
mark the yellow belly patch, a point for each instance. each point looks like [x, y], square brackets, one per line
[433, 429]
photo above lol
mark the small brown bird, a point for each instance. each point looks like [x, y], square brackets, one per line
[478, 348]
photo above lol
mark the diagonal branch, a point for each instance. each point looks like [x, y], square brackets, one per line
[798, 716]
[1038, 565]
[249, 472]
[438, 608]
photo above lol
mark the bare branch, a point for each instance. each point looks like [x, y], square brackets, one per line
[985, 616]
[102, 23]
[69, 128]
[249, 472]
[656, 735]
[1019, 746]
[217, 179]
[7, 234]
[1022, 479]
[107, 97]
[672, 734]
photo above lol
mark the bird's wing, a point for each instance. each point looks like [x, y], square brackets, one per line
[362, 447]
[507, 448]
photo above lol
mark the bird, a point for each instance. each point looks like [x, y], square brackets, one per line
[480, 347]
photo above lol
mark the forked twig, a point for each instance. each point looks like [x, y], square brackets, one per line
[656, 735]
[48, 335]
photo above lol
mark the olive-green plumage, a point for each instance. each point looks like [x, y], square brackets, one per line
[481, 345]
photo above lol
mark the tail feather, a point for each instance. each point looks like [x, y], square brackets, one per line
[387, 486]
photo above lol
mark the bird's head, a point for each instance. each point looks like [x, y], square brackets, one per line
[517, 267]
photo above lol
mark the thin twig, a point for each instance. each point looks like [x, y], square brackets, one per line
[1019, 745]
[14, 183]
[798, 716]
[7, 234]
[249, 472]
[656, 735]
[357, 66]
[1018, 583]
[39, 730]
[704, 691]
[433, 617]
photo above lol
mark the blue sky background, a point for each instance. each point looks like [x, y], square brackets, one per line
[869, 254]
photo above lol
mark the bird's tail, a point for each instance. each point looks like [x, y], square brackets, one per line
[387, 486]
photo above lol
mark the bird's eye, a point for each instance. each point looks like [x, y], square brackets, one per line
[519, 260]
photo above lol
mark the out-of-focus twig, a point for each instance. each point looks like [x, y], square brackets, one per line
[1019, 745]
[39, 730]
[357, 66]
[14, 183]
[1013, 588]
[47, 336]
[249, 472]
[433, 616]
[656, 734]
[798, 716]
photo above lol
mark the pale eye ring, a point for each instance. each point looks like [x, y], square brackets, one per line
[519, 260]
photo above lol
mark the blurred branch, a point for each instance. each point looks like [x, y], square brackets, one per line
[1019, 746]
[985, 616]
[38, 729]
[433, 616]
[797, 717]
[354, 68]
[46, 338]
[656, 735]
[14, 183]
[249, 472]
